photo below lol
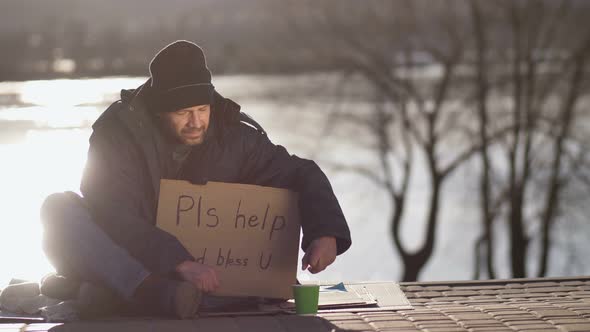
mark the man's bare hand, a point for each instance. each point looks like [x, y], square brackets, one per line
[320, 253]
[200, 275]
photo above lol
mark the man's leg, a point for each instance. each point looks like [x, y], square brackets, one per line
[76, 245]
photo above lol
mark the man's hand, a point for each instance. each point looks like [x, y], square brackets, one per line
[202, 276]
[320, 253]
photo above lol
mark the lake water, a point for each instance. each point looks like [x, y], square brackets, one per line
[44, 131]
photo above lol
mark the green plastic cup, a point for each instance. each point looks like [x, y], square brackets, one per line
[306, 299]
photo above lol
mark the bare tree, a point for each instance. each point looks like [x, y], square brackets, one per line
[576, 72]
[412, 113]
[499, 67]
[484, 245]
[545, 62]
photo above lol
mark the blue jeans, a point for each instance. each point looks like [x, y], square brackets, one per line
[77, 247]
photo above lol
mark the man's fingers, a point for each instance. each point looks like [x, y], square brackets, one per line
[210, 287]
[215, 280]
[202, 284]
[214, 283]
[320, 254]
[206, 282]
[316, 270]
[198, 283]
[305, 261]
[310, 260]
[319, 267]
[314, 259]
[210, 281]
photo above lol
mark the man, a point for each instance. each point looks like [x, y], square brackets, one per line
[175, 126]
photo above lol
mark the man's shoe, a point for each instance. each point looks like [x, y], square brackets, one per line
[59, 287]
[187, 299]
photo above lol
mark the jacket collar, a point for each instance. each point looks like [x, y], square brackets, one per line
[137, 118]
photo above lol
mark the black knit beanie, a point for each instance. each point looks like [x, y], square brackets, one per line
[179, 78]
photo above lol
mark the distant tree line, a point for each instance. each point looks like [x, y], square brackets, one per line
[62, 38]
[76, 38]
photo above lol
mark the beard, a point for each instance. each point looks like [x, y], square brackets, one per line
[192, 136]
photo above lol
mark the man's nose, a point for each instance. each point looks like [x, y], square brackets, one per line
[195, 120]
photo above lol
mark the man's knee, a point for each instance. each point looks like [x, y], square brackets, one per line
[62, 215]
[61, 208]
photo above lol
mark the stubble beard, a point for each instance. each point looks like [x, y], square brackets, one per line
[192, 140]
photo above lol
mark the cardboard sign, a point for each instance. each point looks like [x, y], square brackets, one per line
[248, 234]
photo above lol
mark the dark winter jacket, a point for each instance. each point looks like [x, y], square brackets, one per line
[122, 177]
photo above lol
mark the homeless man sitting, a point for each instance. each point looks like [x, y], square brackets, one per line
[174, 126]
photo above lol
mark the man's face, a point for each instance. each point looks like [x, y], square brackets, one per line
[187, 126]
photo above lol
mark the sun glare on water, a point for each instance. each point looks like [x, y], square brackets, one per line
[48, 156]
[46, 162]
